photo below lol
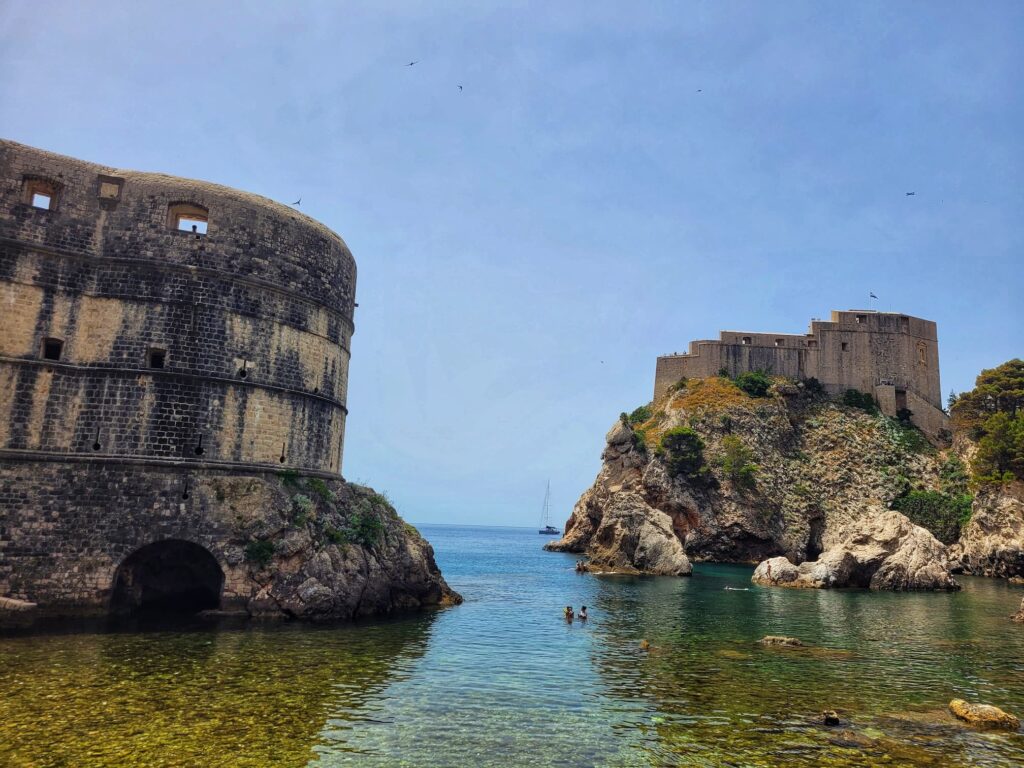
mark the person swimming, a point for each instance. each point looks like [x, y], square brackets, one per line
[583, 613]
[568, 613]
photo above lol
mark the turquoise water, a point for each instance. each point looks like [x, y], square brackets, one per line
[503, 681]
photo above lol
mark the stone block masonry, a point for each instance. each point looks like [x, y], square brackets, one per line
[891, 356]
[155, 333]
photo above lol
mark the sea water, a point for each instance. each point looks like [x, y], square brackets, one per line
[503, 680]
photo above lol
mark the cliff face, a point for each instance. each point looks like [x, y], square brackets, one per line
[790, 473]
[992, 543]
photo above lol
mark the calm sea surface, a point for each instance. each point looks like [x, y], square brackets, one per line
[503, 681]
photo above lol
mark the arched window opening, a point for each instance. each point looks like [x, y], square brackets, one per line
[188, 217]
[170, 576]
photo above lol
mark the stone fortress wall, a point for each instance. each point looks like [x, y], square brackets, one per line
[892, 356]
[139, 356]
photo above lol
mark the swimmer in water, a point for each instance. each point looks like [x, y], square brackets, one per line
[568, 613]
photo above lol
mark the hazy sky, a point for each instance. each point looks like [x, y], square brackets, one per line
[613, 180]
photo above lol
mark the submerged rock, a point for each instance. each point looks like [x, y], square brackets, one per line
[983, 715]
[781, 640]
[830, 717]
[1019, 615]
[883, 550]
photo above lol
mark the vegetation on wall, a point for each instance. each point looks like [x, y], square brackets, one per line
[942, 514]
[259, 553]
[857, 399]
[993, 414]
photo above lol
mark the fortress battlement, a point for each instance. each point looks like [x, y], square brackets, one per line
[892, 356]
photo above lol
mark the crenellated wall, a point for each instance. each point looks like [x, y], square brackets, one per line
[856, 349]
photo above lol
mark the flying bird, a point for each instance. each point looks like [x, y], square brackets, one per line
[297, 201]
[909, 194]
[872, 295]
[411, 63]
[460, 89]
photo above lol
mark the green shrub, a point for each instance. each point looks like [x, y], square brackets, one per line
[754, 383]
[940, 513]
[336, 536]
[302, 509]
[857, 399]
[724, 373]
[737, 463]
[639, 416]
[639, 441]
[319, 487]
[903, 415]
[953, 477]
[813, 386]
[365, 528]
[289, 478]
[259, 553]
[681, 384]
[683, 451]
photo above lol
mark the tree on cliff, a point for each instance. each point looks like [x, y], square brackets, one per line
[993, 414]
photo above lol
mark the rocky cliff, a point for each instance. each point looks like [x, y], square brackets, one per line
[712, 472]
[314, 549]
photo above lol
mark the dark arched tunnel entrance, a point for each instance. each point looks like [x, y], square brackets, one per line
[171, 576]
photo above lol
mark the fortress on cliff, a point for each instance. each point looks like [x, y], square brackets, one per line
[892, 356]
[156, 334]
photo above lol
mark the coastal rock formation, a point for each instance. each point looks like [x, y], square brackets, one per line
[884, 550]
[992, 543]
[1019, 615]
[786, 473]
[983, 715]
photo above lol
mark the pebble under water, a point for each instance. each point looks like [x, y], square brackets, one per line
[503, 681]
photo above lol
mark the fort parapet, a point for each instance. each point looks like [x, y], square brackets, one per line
[892, 356]
[155, 332]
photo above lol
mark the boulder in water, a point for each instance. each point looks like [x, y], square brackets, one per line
[983, 715]
[781, 640]
[883, 550]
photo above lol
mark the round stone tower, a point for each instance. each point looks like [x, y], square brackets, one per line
[156, 334]
[156, 319]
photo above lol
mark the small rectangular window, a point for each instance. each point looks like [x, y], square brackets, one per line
[186, 224]
[41, 200]
[844, 346]
[52, 349]
[746, 341]
[157, 358]
[779, 342]
[811, 344]
[862, 318]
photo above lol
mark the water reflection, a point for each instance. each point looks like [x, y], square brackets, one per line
[254, 696]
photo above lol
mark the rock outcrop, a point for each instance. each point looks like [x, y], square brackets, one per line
[984, 715]
[785, 474]
[1019, 615]
[884, 550]
[317, 550]
[992, 543]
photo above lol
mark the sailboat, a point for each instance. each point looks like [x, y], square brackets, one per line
[548, 529]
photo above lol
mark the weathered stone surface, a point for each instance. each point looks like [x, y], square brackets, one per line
[992, 543]
[1019, 615]
[633, 537]
[16, 606]
[781, 640]
[983, 715]
[884, 550]
[820, 466]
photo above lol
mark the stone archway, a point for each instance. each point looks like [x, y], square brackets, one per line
[170, 576]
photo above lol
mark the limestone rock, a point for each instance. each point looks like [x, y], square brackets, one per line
[883, 550]
[1019, 615]
[16, 606]
[781, 640]
[635, 538]
[983, 715]
[992, 543]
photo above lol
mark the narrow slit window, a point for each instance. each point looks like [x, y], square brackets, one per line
[157, 358]
[843, 346]
[52, 349]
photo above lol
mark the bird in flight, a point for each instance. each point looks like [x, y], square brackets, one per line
[460, 89]
[910, 194]
[411, 63]
[297, 201]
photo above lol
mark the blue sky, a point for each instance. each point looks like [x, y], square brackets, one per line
[613, 180]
